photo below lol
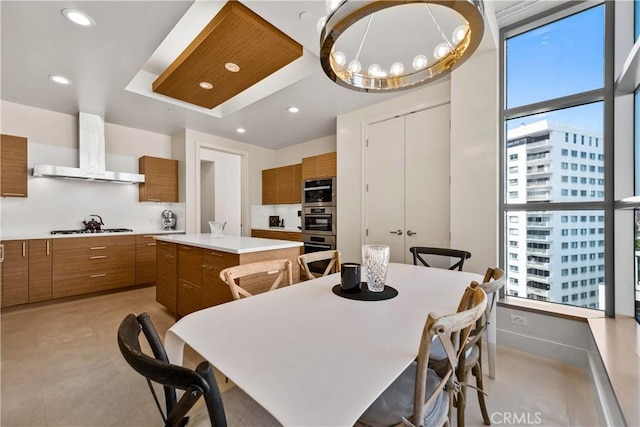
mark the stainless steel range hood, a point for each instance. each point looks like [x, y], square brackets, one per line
[92, 157]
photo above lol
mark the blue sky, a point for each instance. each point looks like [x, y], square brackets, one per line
[558, 59]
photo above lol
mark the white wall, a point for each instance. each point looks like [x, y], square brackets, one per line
[63, 204]
[475, 150]
[295, 153]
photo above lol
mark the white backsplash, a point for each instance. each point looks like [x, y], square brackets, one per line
[260, 215]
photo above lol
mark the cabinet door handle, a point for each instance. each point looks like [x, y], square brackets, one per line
[47, 247]
[98, 247]
[398, 232]
[14, 194]
[1, 252]
[217, 254]
[148, 237]
[24, 249]
[184, 285]
[97, 257]
[411, 233]
[93, 276]
[153, 200]
[170, 256]
[208, 267]
[151, 244]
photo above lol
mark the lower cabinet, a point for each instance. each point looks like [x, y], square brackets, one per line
[145, 259]
[40, 263]
[277, 234]
[89, 264]
[167, 274]
[15, 273]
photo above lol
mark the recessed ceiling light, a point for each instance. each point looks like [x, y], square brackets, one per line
[234, 68]
[59, 79]
[205, 85]
[240, 130]
[293, 109]
[305, 16]
[78, 17]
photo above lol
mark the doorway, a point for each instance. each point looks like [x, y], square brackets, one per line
[221, 190]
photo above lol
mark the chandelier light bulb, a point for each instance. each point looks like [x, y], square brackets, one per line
[419, 62]
[331, 5]
[354, 66]
[320, 24]
[459, 33]
[396, 69]
[339, 58]
[374, 70]
[441, 50]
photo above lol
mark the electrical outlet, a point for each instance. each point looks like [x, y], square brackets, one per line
[519, 320]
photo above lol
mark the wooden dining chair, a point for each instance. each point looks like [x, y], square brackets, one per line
[281, 267]
[331, 259]
[471, 358]
[418, 383]
[419, 252]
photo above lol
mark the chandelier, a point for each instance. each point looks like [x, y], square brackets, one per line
[370, 30]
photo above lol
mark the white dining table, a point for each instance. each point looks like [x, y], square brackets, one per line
[313, 358]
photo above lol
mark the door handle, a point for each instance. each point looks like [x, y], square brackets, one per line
[398, 232]
[411, 233]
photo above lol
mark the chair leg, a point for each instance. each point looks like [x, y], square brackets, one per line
[477, 372]
[461, 399]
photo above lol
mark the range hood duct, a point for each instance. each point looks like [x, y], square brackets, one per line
[92, 157]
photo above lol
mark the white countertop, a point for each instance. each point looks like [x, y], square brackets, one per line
[231, 244]
[31, 236]
[287, 229]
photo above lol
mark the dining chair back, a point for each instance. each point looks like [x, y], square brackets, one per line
[157, 369]
[399, 403]
[281, 267]
[331, 258]
[421, 252]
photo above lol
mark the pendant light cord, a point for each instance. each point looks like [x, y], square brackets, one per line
[364, 36]
[444, 38]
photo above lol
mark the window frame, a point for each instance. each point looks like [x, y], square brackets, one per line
[604, 95]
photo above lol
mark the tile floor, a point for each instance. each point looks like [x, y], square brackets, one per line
[61, 366]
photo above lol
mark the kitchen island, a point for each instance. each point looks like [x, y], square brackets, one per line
[188, 268]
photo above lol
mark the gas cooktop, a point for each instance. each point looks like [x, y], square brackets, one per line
[104, 230]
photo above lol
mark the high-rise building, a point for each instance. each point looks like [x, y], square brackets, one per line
[555, 256]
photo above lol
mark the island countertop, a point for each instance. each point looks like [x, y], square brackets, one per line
[230, 244]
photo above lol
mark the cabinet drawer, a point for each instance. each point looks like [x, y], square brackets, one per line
[219, 260]
[167, 248]
[106, 261]
[91, 246]
[190, 297]
[93, 282]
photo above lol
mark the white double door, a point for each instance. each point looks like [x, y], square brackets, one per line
[407, 182]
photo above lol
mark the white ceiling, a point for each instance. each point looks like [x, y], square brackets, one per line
[132, 38]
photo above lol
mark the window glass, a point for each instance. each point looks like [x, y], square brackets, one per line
[636, 137]
[637, 263]
[558, 59]
[544, 252]
[636, 12]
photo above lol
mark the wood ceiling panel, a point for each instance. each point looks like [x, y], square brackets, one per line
[238, 35]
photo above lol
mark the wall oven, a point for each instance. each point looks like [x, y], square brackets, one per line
[313, 243]
[319, 192]
[319, 221]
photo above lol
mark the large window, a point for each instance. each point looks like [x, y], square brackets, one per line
[554, 158]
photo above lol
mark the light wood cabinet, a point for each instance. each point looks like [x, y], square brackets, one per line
[13, 166]
[270, 186]
[90, 264]
[278, 235]
[216, 291]
[40, 263]
[145, 259]
[166, 274]
[320, 166]
[15, 274]
[190, 291]
[160, 179]
[282, 185]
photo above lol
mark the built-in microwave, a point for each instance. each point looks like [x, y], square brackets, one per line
[319, 220]
[319, 192]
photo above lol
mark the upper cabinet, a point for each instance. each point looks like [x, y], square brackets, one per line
[13, 166]
[281, 185]
[160, 179]
[321, 166]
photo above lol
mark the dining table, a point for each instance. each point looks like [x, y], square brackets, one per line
[310, 356]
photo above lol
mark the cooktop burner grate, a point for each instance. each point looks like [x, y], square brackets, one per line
[104, 230]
